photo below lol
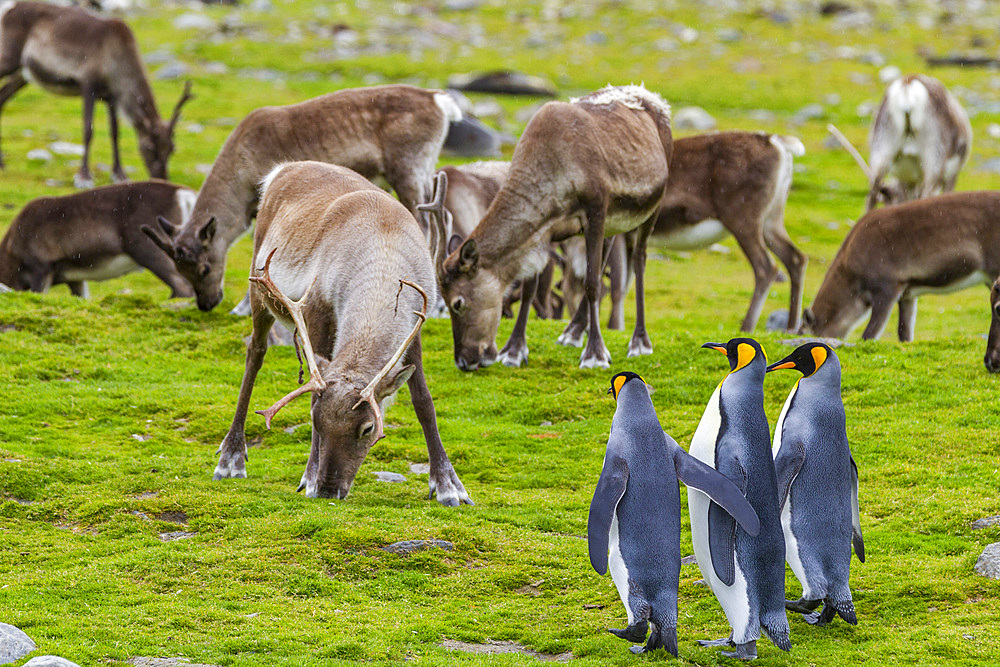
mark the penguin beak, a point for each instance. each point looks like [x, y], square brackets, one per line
[779, 365]
[719, 347]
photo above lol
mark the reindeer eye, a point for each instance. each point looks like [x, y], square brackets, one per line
[366, 430]
[203, 271]
[458, 305]
[996, 309]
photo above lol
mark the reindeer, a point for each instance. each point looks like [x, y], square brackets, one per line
[392, 131]
[894, 254]
[597, 166]
[921, 137]
[70, 51]
[992, 359]
[92, 235]
[338, 251]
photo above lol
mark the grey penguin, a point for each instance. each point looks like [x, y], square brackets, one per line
[746, 572]
[634, 524]
[817, 486]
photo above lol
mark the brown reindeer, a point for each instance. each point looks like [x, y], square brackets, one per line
[597, 166]
[391, 131]
[92, 235]
[70, 51]
[992, 359]
[894, 254]
[347, 267]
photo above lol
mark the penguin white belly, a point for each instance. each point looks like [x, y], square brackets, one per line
[791, 544]
[616, 565]
[705, 436]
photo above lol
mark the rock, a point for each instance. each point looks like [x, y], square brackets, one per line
[809, 112]
[852, 21]
[495, 647]
[172, 516]
[692, 118]
[503, 82]
[420, 468]
[175, 535]
[777, 321]
[413, 546]
[991, 165]
[165, 662]
[728, 35]
[394, 477]
[689, 560]
[595, 38]
[292, 429]
[14, 644]
[524, 114]
[192, 21]
[158, 57]
[865, 110]
[170, 71]
[989, 521]
[461, 5]
[889, 73]
[66, 148]
[993, 130]
[49, 661]
[260, 6]
[469, 137]
[687, 35]
[216, 68]
[988, 564]
[39, 155]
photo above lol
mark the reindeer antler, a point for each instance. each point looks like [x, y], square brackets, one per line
[439, 223]
[368, 393]
[186, 96]
[849, 147]
[294, 308]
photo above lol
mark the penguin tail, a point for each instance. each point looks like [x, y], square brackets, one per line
[845, 609]
[775, 626]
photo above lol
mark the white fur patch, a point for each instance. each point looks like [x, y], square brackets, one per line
[448, 107]
[631, 96]
[114, 267]
[185, 199]
[6, 7]
[693, 237]
[790, 144]
[969, 280]
[265, 182]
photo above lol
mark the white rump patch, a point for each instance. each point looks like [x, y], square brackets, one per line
[448, 107]
[634, 97]
[908, 100]
[791, 144]
[6, 7]
[265, 182]
[185, 199]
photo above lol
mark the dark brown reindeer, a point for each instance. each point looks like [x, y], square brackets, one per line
[992, 358]
[70, 51]
[597, 166]
[894, 254]
[92, 235]
[346, 266]
[392, 131]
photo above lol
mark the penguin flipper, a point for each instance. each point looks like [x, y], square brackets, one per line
[856, 538]
[609, 491]
[787, 465]
[716, 486]
[722, 543]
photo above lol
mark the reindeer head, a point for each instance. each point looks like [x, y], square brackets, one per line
[157, 144]
[474, 297]
[992, 359]
[198, 258]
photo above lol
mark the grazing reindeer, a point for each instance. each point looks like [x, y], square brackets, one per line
[394, 131]
[992, 359]
[894, 254]
[921, 136]
[338, 251]
[597, 165]
[92, 235]
[69, 51]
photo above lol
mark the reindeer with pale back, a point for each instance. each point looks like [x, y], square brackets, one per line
[596, 166]
[395, 132]
[345, 266]
[70, 51]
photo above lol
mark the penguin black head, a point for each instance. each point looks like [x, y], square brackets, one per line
[740, 352]
[806, 359]
[619, 380]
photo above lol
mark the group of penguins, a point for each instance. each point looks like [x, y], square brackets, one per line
[753, 504]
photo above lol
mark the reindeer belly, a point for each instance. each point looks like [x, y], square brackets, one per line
[51, 79]
[970, 280]
[104, 269]
[693, 237]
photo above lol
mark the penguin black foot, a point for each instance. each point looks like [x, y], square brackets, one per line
[633, 633]
[802, 605]
[822, 618]
[746, 651]
[725, 641]
[665, 638]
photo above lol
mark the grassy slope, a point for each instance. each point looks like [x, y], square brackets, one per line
[275, 578]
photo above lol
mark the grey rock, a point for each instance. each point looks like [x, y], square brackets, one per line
[172, 516]
[159, 57]
[192, 21]
[165, 662]
[687, 35]
[175, 535]
[14, 644]
[260, 6]
[777, 321]
[292, 429]
[49, 661]
[809, 112]
[502, 647]
[762, 115]
[988, 564]
[689, 560]
[462, 5]
[595, 38]
[991, 165]
[216, 67]
[469, 137]
[66, 148]
[39, 155]
[413, 546]
[889, 73]
[173, 70]
[693, 118]
[873, 58]
[729, 35]
[503, 82]
[865, 110]
[385, 476]
[420, 468]
[989, 521]
[852, 21]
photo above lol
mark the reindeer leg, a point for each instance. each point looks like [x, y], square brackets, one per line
[443, 480]
[83, 178]
[515, 350]
[907, 317]
[776, 238]
[15, 83]
[117, 173]
[618, 267]
[543, 291]
[78, 288]
[233, 450]
[751, 240]
[595, 354]
[882, 303]
[640, 343]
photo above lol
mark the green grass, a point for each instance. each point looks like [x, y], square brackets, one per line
[114, 407]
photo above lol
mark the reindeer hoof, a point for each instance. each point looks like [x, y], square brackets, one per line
[596, 359]
[513, 358]
[571, 339]
[448, 488]
[83, 181]
[638, 348]
[231, 467]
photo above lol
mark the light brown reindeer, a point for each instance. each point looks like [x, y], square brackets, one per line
[597, 166]
[92, 235]
[70, 51]
[332, 253]
[894, 254]
[392, 131]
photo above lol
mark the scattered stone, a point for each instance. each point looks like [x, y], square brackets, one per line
[260, 6]
[689, 560]
[292, 429]
[192, 21]
[687, 35]
[49, 661]
[701, 582]
[461, 5]
[524, 114]
[159, 57]
[170, 71]
[832, 342]
[728, 35]
[469, 137]
[593, 606]
[216, 68]
[66, 148]
[777, 321]
[595, 38]
[762, 115]
[889, 73]
[493, 647]
[852, 21]
[988, 564]
[172, 516]
[174, 535]
[692, 118]
[833, 7]
[39, 155]
[546, 423]
[14, 644]
[140, 438]
[194, 128]
[991, 165]
[503, 82]
[145, 495]
[809, 112]
[165, 662]
[385, 476]
[420, 468]
[413, 546]
[989, 521]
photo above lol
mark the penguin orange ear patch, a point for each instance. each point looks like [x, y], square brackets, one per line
[745, 354]
[619, 381]
[819, 356]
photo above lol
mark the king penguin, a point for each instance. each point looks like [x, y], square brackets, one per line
[635, 524]
[817, 486]
[746, 572]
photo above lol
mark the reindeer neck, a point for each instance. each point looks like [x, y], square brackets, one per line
[229, 196]
[137, 102]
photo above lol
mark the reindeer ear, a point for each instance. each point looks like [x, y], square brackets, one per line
[468, 256]
[207, 232]
[394, 384]
[808, 319]
[454, 243]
